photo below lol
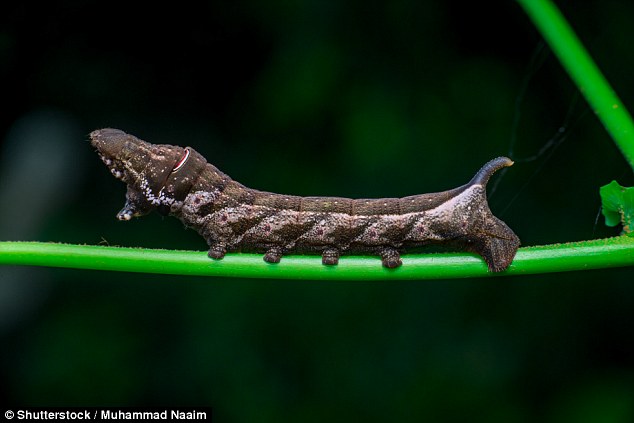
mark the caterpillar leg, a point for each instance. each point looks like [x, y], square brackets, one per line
[330, 256]
[135, 205]
[273, 255]
[390, 257]
[217, 251]
[498, 253]
[497, 244]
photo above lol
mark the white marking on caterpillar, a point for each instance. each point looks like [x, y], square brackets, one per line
[182, 161]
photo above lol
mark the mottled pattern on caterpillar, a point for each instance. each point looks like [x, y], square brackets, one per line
[231, 217]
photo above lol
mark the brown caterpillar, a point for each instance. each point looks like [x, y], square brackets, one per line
[231, 217]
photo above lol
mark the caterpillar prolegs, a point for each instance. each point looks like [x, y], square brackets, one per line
[178, 181]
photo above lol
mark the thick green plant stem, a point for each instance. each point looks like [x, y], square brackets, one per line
[584, 72]
[595, 254]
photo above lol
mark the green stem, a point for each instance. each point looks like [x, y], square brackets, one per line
[595, 254]
[584, 72]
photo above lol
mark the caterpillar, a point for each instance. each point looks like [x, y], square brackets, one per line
[178, 181]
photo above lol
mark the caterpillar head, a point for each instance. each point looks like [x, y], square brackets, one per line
[150, 171]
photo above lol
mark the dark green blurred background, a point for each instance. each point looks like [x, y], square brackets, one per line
[357, 98]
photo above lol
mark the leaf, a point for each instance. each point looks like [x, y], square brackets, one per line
[618, 205]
